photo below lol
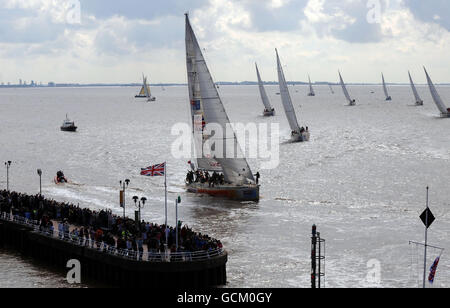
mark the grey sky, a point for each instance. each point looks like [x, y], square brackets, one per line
[118, 40]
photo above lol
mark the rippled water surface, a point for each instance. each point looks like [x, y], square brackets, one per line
[361, 179]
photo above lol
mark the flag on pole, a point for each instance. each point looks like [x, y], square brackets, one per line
[433, 270]
[156, 170]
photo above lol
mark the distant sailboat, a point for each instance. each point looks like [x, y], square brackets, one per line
[419, 101]
[388, 97]
[297, 134]
[445, 112]
[145, 91]
[268, 110]
[331, 88]
[351, 102]
[311, 90]
[236, 179]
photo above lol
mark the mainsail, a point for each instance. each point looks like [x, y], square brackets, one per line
[331, 88]
[286, 98]
[416, 94]
[262, 91]
[206, 102]
[436, 97]
[311, 90]
[145, 90]
[385, 88]
[344, 88]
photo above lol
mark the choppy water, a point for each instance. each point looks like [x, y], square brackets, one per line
[362, 177]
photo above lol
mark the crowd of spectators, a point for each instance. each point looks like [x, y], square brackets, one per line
[103, 226]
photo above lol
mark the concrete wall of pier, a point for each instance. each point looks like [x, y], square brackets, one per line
[112, 270]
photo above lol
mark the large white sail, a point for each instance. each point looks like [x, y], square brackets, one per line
[286, 98]
[413, 87]
[203, 93]
[262, 91]
[344, 88]
[311, 90]
[385, 88]
[436, 97]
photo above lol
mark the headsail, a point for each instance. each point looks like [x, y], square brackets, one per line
[311, 90]
[331, 88]
[436, 97]
[205, 101]
[286, 98]
[262, 91]
[344, 88]
[413, 87]
[385, 88]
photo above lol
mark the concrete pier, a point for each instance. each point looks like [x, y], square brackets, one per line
[110, 269]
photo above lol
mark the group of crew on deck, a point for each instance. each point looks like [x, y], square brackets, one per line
[203, 177]
[303, 132]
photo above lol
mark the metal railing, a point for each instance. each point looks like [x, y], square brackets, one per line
[130, 254]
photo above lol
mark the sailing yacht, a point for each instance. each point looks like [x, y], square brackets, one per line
[311, 90]
[445, 112]
[297, 134]
[236, 178]
[388, 97]
[351, 102]
[145, 91]
[331, 88]
[419, 101]
[268, 110]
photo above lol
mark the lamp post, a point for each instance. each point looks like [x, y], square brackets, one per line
[7, 164]
[39, 172]
[122, 194]
[139, 206]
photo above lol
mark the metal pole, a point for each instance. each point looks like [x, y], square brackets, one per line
[124, 201]
[7, 176]
[40, 184]
[165, 203]
[426, 242]
[176, 221]
[313, 257]
[320, 259]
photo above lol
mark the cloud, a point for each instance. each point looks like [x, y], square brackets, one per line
[116, 41]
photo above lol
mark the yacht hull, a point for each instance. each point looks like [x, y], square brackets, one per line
[237, 193]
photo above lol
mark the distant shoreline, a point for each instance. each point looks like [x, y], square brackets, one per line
[244, 83]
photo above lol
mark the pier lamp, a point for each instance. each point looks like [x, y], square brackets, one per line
[7, 164]
[124, 186]
[39, 172]
[139, 205]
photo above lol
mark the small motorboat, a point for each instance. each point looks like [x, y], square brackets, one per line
[68, 126]
[60, 178]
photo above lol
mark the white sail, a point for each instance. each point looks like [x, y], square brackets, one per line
[344, 88]
[311, 90]
[413, 87]
[286, 98]
[331, 88]
[147, 88]
[385, 88]
[436, 97]
[203, 93]
[262, 91]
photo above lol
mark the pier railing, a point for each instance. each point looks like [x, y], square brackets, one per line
[142, 256]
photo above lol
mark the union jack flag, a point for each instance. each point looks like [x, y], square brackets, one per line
[156, 170]
[433, 270]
